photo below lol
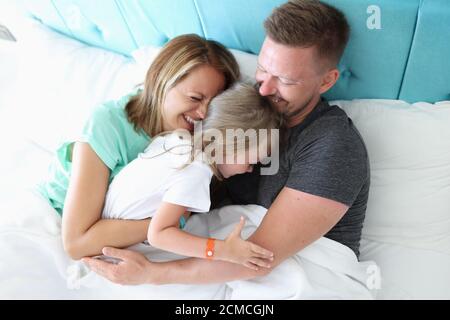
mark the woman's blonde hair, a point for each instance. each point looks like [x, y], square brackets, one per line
[179, 57]
[239, 108]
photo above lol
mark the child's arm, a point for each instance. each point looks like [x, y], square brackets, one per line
[164, 234]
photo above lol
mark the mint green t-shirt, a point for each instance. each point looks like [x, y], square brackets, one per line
[110, 135]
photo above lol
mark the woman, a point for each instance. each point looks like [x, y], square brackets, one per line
[180, 83]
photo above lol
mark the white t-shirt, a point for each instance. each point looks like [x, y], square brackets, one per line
[154, 177]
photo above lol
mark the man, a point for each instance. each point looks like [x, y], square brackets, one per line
[321, 188]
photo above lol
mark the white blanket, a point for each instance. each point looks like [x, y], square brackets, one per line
[33, 264]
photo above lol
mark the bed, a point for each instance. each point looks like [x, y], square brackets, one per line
[71, 55]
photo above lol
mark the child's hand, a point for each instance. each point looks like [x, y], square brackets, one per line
[243, 252]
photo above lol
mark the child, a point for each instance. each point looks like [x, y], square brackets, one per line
[171, 178]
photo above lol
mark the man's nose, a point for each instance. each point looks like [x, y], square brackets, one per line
[267, 87]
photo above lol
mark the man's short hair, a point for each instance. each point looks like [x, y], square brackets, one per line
[310, 23]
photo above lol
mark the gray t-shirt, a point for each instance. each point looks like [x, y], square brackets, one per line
[324, 156]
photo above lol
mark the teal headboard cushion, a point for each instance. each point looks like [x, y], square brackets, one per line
[398, 49]
[427, 76]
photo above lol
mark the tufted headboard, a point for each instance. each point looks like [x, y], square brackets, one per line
[398, 49]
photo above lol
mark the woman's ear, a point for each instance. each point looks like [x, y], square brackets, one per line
[328, 80]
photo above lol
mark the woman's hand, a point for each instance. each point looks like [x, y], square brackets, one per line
[239, 251]
[133, 269]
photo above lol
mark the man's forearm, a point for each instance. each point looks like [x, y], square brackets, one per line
[203, 271]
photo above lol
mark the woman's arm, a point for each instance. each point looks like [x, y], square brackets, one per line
[165, 234]
[84, 233]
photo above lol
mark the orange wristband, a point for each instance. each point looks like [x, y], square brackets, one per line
[209, 252]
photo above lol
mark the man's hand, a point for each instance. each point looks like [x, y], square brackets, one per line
[133, 269]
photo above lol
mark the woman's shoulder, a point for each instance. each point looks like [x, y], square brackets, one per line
[114, 108]
[108, 126]
[113, 111]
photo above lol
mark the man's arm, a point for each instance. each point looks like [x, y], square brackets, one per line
[295, 220]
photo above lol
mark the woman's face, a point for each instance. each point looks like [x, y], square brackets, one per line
[188, 101]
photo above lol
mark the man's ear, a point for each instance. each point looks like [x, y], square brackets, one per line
[328, 81]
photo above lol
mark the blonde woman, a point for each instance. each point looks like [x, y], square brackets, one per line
[172, 177]
[179, 86]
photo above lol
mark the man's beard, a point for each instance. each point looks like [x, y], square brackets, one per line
[274, 99]
[287, 114]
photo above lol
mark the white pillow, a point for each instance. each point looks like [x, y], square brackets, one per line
[247, 63]
[409, 150]
[144, 56]
[60, 80]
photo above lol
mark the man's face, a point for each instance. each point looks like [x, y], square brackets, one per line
[291, 77]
